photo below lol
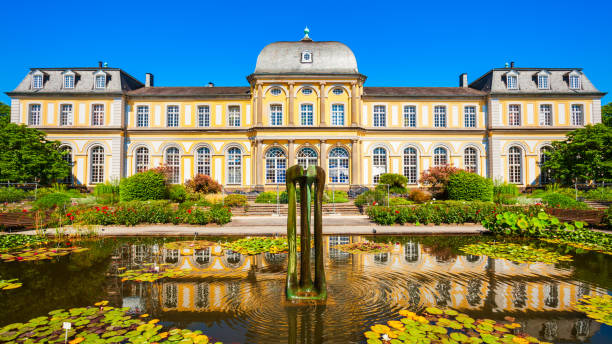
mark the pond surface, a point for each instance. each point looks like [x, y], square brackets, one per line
[240, 299]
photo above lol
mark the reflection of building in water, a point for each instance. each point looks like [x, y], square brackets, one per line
[412, 275]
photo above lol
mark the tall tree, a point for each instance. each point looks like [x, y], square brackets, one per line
[606, 114]
[586, 154]
[27, 156]
[5, 111]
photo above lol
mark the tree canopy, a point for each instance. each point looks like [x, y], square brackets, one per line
[27, 156]
[586, 154]
[5, 111]
[606, 114]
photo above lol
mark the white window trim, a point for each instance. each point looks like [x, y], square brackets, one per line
[166, 105]
[42, 80]
[314, 113]
[418, 114]
[267, 89]
[282, 112]
[448, 154]
[552, 113]
[226, 153]
[59, 114]
[135, 110]
[210, 119]
[386, 124]
[304, 52]
[100, 73]
[523, 156]
[227, 119]
[547, 75]
[387, 160]
[477, 114]
[91, 109]
[569, 80]
[345, 115]
[520, 114]
[298, 89]
[446, 112]
[418, 158]
[514, 74]
[134, 156]
[69, 73]
[584, 114]
[27, 113]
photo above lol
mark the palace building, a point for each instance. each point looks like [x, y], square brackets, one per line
[305, 103]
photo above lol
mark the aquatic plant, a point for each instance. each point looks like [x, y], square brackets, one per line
[596, 307]
[514, 252]
[191, 244]
[10, 284]
[152, 273]
[256, 245]
[15, 241]
[585, 246]
[100, 324]
[364, 247]
[445, 326]
[40, 253]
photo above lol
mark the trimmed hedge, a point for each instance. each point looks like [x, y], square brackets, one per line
[143, 186]
[469, 187]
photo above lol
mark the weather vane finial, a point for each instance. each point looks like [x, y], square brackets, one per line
[306, 32]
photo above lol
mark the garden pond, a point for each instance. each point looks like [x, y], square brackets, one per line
[235, 297]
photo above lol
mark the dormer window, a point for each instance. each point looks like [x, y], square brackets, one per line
[512, 81]
[543, 81]
[37, 81]
[574, 81]
[69, 81]
[100, 81]
[306, 56]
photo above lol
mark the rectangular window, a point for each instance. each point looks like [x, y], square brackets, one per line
[276, 115]
[97, 114]
[546, 114]
[203, 116]
[337, 114]
[469, 116]
[512, 82]
[410, 116]
[577, 114]
[142, 116]
[233, 116]
[514, 115]
[440, 116]
[380, 115]
[65, 114]
[543, 82]
[68, 81]
[574, 82]
[37, 81]
[100, 81]
[172, 115]
[306, 115]
[34, 114]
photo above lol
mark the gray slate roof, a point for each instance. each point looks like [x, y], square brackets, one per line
[117, 81]
[422, 92]
[193, 92]
[494, 82]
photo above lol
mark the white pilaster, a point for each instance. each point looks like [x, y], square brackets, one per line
[186, 169]
[218, 114]
[157, 115]
[187, 114]
[561, 113]
[116, 112]
[247, 165]
[530, 116]
[425, 115]
[116, 165]
[16, 112]
[455, 116]
[596, 111]
[81, 113]
[50, 113]
[394, 115]
[495, 112]
[365, 115]
[248, 115]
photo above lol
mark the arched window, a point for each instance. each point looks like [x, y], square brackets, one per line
[379, 163]
[97, 165]
[440, 156]
[410, 165]
[234, 166]
[544, 172]
[470, 160]
[173, 161]
[203, 161]
[142, 159]
[338, 166]
[276, 164]
[67, 157]
[515, 165]
[307, 157]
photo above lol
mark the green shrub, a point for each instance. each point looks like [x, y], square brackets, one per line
[335, 196]
[558, 200]
[399, 201]
[269, 197]
[504, 188]
[599, 194]
[177, 193]
[371, 197]
[397, 183]
[107, 193]
[11, 194]
[437, 178]
[437, 213]
[52, 200]
[419, 196]
[220, 214]
[469, 186]
[235, 200]
[143, 186]
[607, 219]
[202, 183]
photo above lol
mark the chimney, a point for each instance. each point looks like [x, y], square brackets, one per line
[148, 80]
[100, 64]
[511, 64]
[210, 84]
[463, 82]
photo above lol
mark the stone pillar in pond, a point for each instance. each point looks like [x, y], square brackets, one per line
[310, 181]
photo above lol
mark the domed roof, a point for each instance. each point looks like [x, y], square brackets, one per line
[289, 58]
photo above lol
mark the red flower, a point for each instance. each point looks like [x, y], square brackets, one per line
[68, 243]
[69, 215]
[397, 211]
[71, 218]
[97, 209]
[189, 211]
[105, 207]
[478, 211]
[19, 258]
[25, 210]
[177, 217]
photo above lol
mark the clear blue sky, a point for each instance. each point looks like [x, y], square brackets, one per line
[424, 43]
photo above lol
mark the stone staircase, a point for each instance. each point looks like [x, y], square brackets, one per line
[598, 204]
[270, 209]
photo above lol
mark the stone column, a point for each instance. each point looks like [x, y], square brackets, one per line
[259, 164]
[259, 104]
[355, 154]
[322, 105]
[354, 106]
[290, 154]
[324, 156]
[291, 100]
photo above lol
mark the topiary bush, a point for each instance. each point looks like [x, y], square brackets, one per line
[469, 187]
[143, 186]
[202, 183]
[11, 195]
[177, 193]
[397, 183]
[52, 200]
[235, 200]
[419, 196]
